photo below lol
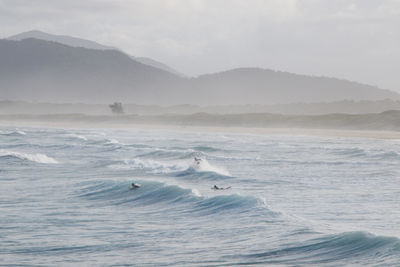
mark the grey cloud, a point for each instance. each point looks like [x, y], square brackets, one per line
[352, 39]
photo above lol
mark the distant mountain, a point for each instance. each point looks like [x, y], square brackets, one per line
[62, 39]
[156, 64]
[38, 70]
[260, 86]
[78, 42]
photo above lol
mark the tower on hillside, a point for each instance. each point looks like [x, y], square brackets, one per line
[117, 108]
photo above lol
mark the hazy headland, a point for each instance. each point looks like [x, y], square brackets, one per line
[43, 70]
[61, 80]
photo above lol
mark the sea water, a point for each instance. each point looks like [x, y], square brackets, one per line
[65, 199]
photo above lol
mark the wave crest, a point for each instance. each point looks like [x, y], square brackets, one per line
[38, 158]
[159, 196]
[342, 247]
[77, 136]
[13, 133]
[150, 165]
[205, 166]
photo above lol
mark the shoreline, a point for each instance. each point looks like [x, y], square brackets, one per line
[326, 132]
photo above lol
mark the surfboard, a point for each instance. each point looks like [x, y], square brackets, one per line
[221, 188]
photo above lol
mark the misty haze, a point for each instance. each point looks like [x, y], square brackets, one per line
[199, 133]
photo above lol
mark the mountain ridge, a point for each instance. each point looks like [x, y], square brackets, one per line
[79, 42]
[283, 85]
[62, 39]
[38, 70]
[54, 71]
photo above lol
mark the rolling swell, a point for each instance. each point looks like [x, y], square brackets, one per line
[225, 204]
[353, 152]
[40, 146]
[349, 247]
[13, 133]
[368, 154]
[73, 136]
[149, 193]
[37, 158]
[390, 155]
[206, 149]
[170, 154]
[193, 174]
[178, 152]
[155, 196]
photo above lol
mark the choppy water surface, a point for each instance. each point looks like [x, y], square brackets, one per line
[295, 200]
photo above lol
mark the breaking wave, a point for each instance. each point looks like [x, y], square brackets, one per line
[148, 165]
[38, 158]
[13, 133]
[177, 168]
[345, 247]
[77, 136]
[162, 196]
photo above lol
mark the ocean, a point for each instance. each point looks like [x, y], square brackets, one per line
[65, 199]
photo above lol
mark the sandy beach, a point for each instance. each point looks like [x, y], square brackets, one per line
[216, 129]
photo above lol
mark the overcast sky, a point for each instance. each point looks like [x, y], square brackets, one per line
[357, 40]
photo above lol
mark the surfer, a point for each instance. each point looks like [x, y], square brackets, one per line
[220, 188]
[197, 160]
[134, 186]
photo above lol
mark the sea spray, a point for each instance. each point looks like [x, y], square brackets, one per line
[38, 157]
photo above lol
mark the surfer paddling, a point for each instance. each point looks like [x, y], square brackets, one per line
[215, 187]
[134, 186]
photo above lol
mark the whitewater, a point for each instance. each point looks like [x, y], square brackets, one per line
[65, 199]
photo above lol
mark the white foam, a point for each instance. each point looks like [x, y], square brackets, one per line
[168, 167]
[205, 166]
[196, 192]
[20, 132]
[16, 132]
[113, 141]
[78, 136]
[154, 166]
[39, 158]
